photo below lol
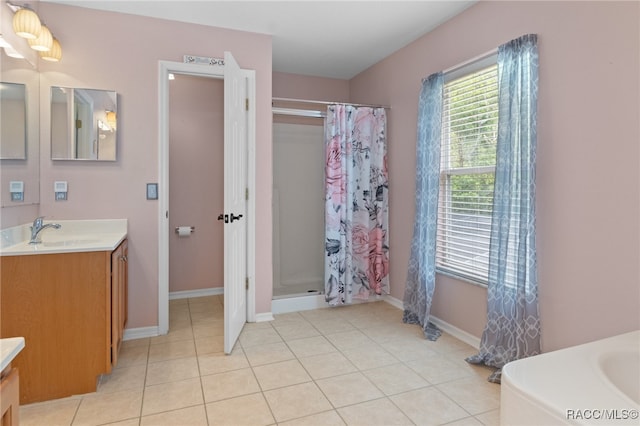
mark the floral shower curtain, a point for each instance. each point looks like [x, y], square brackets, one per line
[357, 207]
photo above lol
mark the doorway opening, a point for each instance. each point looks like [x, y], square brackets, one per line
[238, 83]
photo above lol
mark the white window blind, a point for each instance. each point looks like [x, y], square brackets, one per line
[467, 170]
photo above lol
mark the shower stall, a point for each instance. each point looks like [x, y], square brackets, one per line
[298, 207]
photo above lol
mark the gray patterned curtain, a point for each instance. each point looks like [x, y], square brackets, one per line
[513, 327]
[418, 293]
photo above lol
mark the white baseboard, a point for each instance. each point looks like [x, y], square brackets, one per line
[456, 332]
[140, 333]
[265, 316]
[185, 294]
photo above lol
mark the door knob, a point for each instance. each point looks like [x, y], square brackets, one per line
[234, 217]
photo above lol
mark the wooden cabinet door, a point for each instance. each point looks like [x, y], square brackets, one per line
[119, 296]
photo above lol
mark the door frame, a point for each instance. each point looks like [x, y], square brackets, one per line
[208, 71]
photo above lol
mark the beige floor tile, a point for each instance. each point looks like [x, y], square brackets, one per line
[208, 315]
[192, 416]
[327, 365]
[409, 348]
[296, 330]
[366, 352]
[296, 401]
[437, 369]
[288, 318]
[467, 421]
[328, 418]
[135, 342]
[447, 344]
[267, 354]
[348, 389]
[322, 313]
[123, 379]
[428, 406]
[219, 362]
[396, 378]
[379, 412]
[171, 350]
[172, 396]
[132, 355]
[369, 356]
[175, 334]
[387, 332]
[328, 326]
[209, 344]
[474, 394]
[259, 337]
[349, 339]
[54, 413]
[208, 329]
[172, 370]
[248, 410]
[490, 418]
[311, 346]
[100, 408]
[228, 385]
[280, 374]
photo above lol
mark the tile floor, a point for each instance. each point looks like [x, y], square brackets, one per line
[354, 365]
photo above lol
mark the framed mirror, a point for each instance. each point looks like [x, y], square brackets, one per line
[83, 124]
[13, 116]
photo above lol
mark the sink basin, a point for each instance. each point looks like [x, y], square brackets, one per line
[71, 242]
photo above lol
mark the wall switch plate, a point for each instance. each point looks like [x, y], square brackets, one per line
[152, 191]
[60, 189]
[16, 188]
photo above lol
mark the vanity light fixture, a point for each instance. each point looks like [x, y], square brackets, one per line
[111, 119]
[26, 23]
[44, 42]
[53, 55]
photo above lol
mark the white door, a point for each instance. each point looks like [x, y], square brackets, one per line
[235, 203]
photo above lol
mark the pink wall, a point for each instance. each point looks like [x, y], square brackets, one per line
[588, 181]
[105, 50]
[196, 182]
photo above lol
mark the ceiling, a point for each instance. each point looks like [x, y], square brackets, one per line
[335, 39]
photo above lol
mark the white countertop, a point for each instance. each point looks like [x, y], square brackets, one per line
[9, 348]
[73, 236]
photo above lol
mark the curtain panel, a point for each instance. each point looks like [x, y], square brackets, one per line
[357, 204]
[420, 284]
[513, 326]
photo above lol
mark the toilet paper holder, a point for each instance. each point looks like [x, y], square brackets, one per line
[192, 228]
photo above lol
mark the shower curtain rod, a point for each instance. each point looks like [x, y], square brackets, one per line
[309, 101]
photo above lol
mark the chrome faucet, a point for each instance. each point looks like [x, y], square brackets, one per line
[39, 226]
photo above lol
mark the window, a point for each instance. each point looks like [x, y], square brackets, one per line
[467, 170]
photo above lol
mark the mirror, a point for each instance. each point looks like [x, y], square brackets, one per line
[83, 124]
[19, 130]
[13, 116]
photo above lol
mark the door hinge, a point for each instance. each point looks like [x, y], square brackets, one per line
[246, 193]
[246, 283]
[246, 104]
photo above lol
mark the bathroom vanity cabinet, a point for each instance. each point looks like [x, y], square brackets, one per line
[71, 308]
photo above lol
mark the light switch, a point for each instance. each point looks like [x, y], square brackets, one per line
[152, 191]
